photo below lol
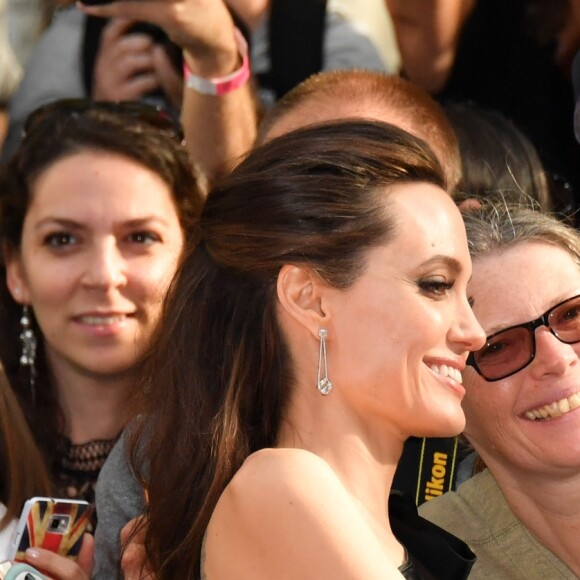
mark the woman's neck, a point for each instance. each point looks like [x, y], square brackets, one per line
[94, 407]
[363, 455]
[549, 507]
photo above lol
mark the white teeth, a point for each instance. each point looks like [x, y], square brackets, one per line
[447, 371]
[101, 320]
[555, 409]
[564, 406]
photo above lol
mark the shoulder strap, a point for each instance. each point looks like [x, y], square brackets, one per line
[296, 42]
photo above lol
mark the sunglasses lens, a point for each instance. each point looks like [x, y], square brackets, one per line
[565, 321]
[505, 353]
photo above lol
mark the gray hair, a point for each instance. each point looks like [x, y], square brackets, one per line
[496, 225]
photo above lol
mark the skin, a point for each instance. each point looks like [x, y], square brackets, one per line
[205, 32]
[534, 462]
[428, 32]
[322, 108]
[94, 267]
[129, 65]
[323, 492]
[63, 568]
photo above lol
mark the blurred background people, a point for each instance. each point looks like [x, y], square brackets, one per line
[497, 157]
[505, 55]
[119, 61]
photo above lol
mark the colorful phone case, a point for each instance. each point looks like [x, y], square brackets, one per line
[54, 524]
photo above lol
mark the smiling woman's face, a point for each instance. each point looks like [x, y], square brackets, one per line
[100, 243]
[516, 286]
[399, 337]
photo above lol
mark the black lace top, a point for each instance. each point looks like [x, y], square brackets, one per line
[78, 468]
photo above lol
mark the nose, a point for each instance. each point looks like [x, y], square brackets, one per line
[105, 266]
[552, 355]
[467, 332]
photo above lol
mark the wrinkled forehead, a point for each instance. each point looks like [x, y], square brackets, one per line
[521, 282]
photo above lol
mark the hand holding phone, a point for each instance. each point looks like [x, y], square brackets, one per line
[53, 524]
[10, 571]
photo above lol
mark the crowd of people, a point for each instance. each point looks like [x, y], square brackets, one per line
[258, 256]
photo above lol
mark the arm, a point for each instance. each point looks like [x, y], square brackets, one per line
[220, 129]
[119, 499]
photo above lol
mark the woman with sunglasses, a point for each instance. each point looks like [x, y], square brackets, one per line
[521, 514]
[94, 209]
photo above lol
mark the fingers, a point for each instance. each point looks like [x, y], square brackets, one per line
[170, 80]
[195, 25]
[86, 554]
[124, 68]
[58, 567]
[134, 559]
[144, 11]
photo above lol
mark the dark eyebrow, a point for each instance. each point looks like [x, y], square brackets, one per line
[62, 222]
[71, 224]
[451, 263]
[139, 222]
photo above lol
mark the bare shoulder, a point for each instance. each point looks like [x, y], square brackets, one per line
[286, 514]
[284, 469]
[275, 483]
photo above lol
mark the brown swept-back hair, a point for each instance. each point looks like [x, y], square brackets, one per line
[55, 131]
[219, 376]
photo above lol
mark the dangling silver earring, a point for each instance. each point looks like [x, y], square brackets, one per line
[28, 356]
[323, 383]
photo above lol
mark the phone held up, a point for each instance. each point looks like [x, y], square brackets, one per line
[53, 524]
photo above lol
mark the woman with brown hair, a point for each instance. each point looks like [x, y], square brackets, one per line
[320, 319]
[94, 209]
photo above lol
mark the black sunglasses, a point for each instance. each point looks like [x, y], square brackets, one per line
[50, 115]
[510, 350]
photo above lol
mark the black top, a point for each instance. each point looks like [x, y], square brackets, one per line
[432, 553]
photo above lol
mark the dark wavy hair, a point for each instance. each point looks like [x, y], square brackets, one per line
[219, 375]
[55, 131]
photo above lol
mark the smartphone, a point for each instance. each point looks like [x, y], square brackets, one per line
[18, 571]
[53, 524]
[96, 2]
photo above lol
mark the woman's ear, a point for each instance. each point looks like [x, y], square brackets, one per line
[301, 292]
[15, 279]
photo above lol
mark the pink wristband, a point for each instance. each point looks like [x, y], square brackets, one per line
[222, 85]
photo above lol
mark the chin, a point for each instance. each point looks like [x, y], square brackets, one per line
[448, 425]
